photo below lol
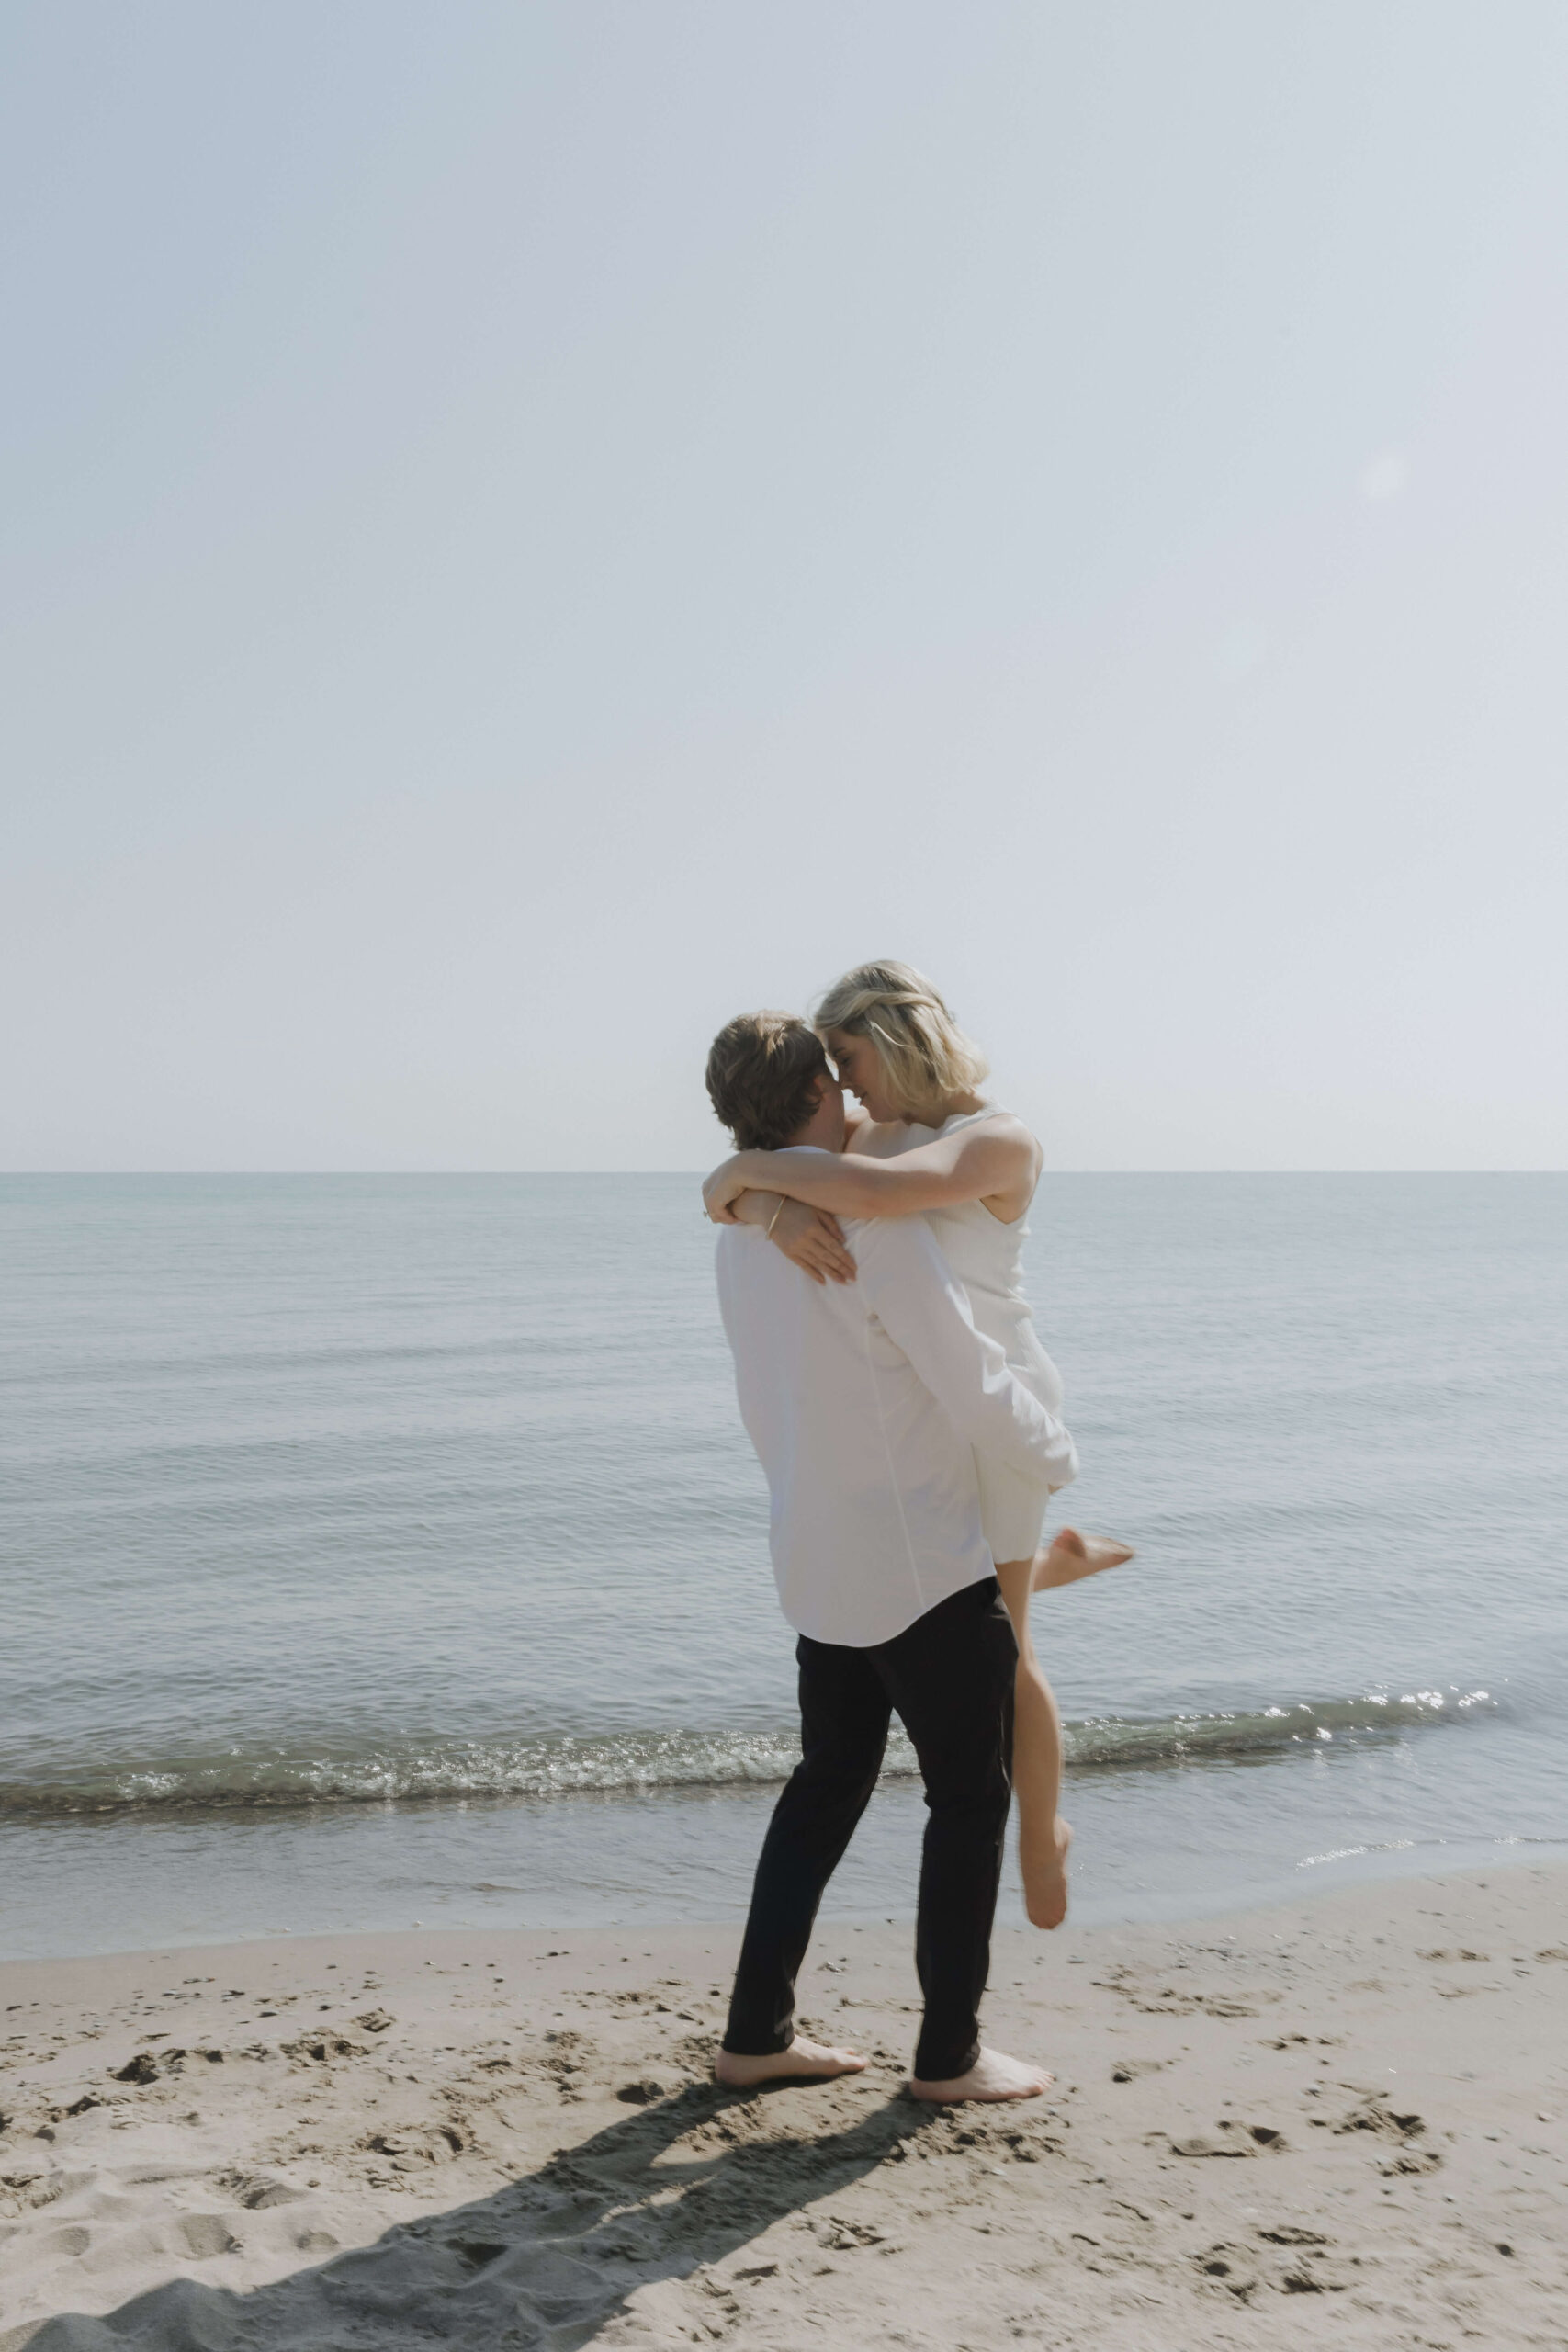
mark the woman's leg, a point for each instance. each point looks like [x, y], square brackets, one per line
[1071, 1556]
[1042, 1835]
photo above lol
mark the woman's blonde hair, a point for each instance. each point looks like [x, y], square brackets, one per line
[924, 1054]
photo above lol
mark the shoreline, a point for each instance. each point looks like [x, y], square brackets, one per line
[1386, 1867]
[510, 2136]
[1173, 1846]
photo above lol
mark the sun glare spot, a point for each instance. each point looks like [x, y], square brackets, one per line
[1384, 475]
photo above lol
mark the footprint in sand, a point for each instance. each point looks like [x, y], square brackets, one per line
[1245, 2140]
[1230, 2267]
[206, 2235]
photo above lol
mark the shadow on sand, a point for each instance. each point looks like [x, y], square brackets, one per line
[547, 2261]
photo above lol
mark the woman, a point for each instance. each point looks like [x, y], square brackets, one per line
[928, 1145]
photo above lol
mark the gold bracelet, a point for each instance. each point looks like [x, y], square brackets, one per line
[775, 1217]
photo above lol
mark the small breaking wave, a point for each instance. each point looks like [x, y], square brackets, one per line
[1179, 1739]
[475, 1771]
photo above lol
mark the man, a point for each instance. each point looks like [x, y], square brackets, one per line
[864, 1401]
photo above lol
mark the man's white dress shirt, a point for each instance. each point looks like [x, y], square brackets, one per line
[863, 1401]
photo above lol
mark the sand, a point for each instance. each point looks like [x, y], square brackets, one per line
[1346, 2122]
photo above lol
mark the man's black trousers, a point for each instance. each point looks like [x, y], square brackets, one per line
[949, 1677]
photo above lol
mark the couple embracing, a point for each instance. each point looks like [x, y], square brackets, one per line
[908, 1422]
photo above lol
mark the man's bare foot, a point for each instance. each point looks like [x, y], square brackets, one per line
[803, 2062]
[1073, 1555]
[1043, 1865]
[991, 2077]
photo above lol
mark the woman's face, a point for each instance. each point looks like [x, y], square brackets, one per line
[859, 1066]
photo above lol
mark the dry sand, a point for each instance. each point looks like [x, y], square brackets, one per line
[1344, 2123]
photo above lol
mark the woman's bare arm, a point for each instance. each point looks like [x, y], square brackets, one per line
[996, 1161]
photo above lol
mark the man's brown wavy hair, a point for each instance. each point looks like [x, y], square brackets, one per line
[761, 1078]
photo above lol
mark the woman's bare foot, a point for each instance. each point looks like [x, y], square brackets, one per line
[991, 2077]
[1042, 1866]
[801, 2061]
[1073, 1555]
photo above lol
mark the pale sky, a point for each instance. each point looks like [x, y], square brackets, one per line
[532, 528]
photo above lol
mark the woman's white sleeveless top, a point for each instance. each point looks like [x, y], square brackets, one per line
[987, 1256]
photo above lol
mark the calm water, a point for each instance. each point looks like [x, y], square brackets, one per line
[386, 1549]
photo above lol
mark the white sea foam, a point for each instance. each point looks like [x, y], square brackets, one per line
[459, 1771]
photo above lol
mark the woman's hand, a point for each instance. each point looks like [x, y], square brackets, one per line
[810, 1238]
[729, 1179]
[813, 1240]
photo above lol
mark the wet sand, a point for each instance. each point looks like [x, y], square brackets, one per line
[1343, 2122]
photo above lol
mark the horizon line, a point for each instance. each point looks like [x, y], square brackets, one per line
[698, 1172]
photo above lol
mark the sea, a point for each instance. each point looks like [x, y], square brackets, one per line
[385, 1551]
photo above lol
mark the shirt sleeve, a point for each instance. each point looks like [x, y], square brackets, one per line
[910, 1288]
